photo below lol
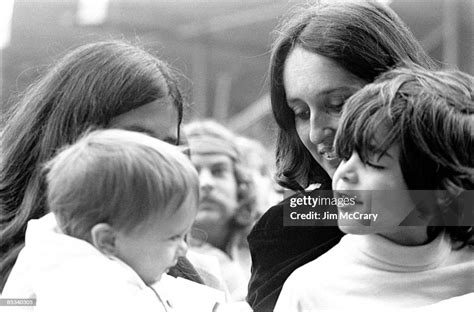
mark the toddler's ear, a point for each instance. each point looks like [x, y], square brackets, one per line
[104, 238]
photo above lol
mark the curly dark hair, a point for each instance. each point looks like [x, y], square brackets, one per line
[430, 115]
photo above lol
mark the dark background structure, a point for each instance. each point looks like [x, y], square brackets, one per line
[221, 47]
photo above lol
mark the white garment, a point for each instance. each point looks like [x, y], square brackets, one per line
[233, 272]
[452, 304]
[370, 272]
[64, 273]
[209, 269]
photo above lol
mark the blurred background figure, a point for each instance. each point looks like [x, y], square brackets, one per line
[227, 207]
[261, 165]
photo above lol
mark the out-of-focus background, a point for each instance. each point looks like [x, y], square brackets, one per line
[221, 47]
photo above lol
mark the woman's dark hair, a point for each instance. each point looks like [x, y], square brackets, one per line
[430, 115]
[364, 38]
[86, 88]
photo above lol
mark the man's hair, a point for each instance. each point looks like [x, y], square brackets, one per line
[117, 177]
[210, 137]
[363, 37]
[430, 115]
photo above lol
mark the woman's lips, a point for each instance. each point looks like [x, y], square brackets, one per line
[328, 155]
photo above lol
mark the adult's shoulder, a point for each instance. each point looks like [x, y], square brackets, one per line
[271, 241]
[272, 219]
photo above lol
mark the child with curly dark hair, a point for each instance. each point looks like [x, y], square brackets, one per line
[407, 142]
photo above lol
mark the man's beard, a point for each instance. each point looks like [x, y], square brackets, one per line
[214, 209]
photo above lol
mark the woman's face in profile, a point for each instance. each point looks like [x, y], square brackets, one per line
[158, 119]
[316, 88]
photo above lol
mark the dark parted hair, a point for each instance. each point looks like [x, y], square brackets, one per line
[365, 38]
[86, 88]
[430, 115]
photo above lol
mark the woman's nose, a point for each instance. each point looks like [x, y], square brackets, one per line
[322, 127]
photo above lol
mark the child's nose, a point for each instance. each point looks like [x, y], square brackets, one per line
[183, 248]
[347, 170]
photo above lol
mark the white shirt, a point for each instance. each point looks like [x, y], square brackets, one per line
[64, 273]
[371, 272]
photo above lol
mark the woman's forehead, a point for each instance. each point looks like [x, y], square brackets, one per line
[307, 74]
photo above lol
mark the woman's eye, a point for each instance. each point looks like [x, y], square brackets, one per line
[336, 105]
[180, 237]
[302, 114]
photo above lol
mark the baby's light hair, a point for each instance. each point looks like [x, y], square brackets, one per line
[117, 177]
[430, 114]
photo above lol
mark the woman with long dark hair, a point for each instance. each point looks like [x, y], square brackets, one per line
[323, 54]
[100, 85]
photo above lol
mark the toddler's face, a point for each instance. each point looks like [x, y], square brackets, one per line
[378, 188]
[155, 248]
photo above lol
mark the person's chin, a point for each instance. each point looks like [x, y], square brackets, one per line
[355, 226]
[167, 269]
[156, 278]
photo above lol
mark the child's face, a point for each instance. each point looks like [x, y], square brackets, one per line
[156, 247]
[379, 189]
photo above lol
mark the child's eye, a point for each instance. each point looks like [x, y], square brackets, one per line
[176, 237]
[377, 167]
[344, 157]
[183, 236]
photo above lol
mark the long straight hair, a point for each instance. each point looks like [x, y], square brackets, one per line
[86, 88]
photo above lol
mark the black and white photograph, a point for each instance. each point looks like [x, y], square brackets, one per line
[236, 155]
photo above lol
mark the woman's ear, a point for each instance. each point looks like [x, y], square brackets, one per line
[104, 238]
